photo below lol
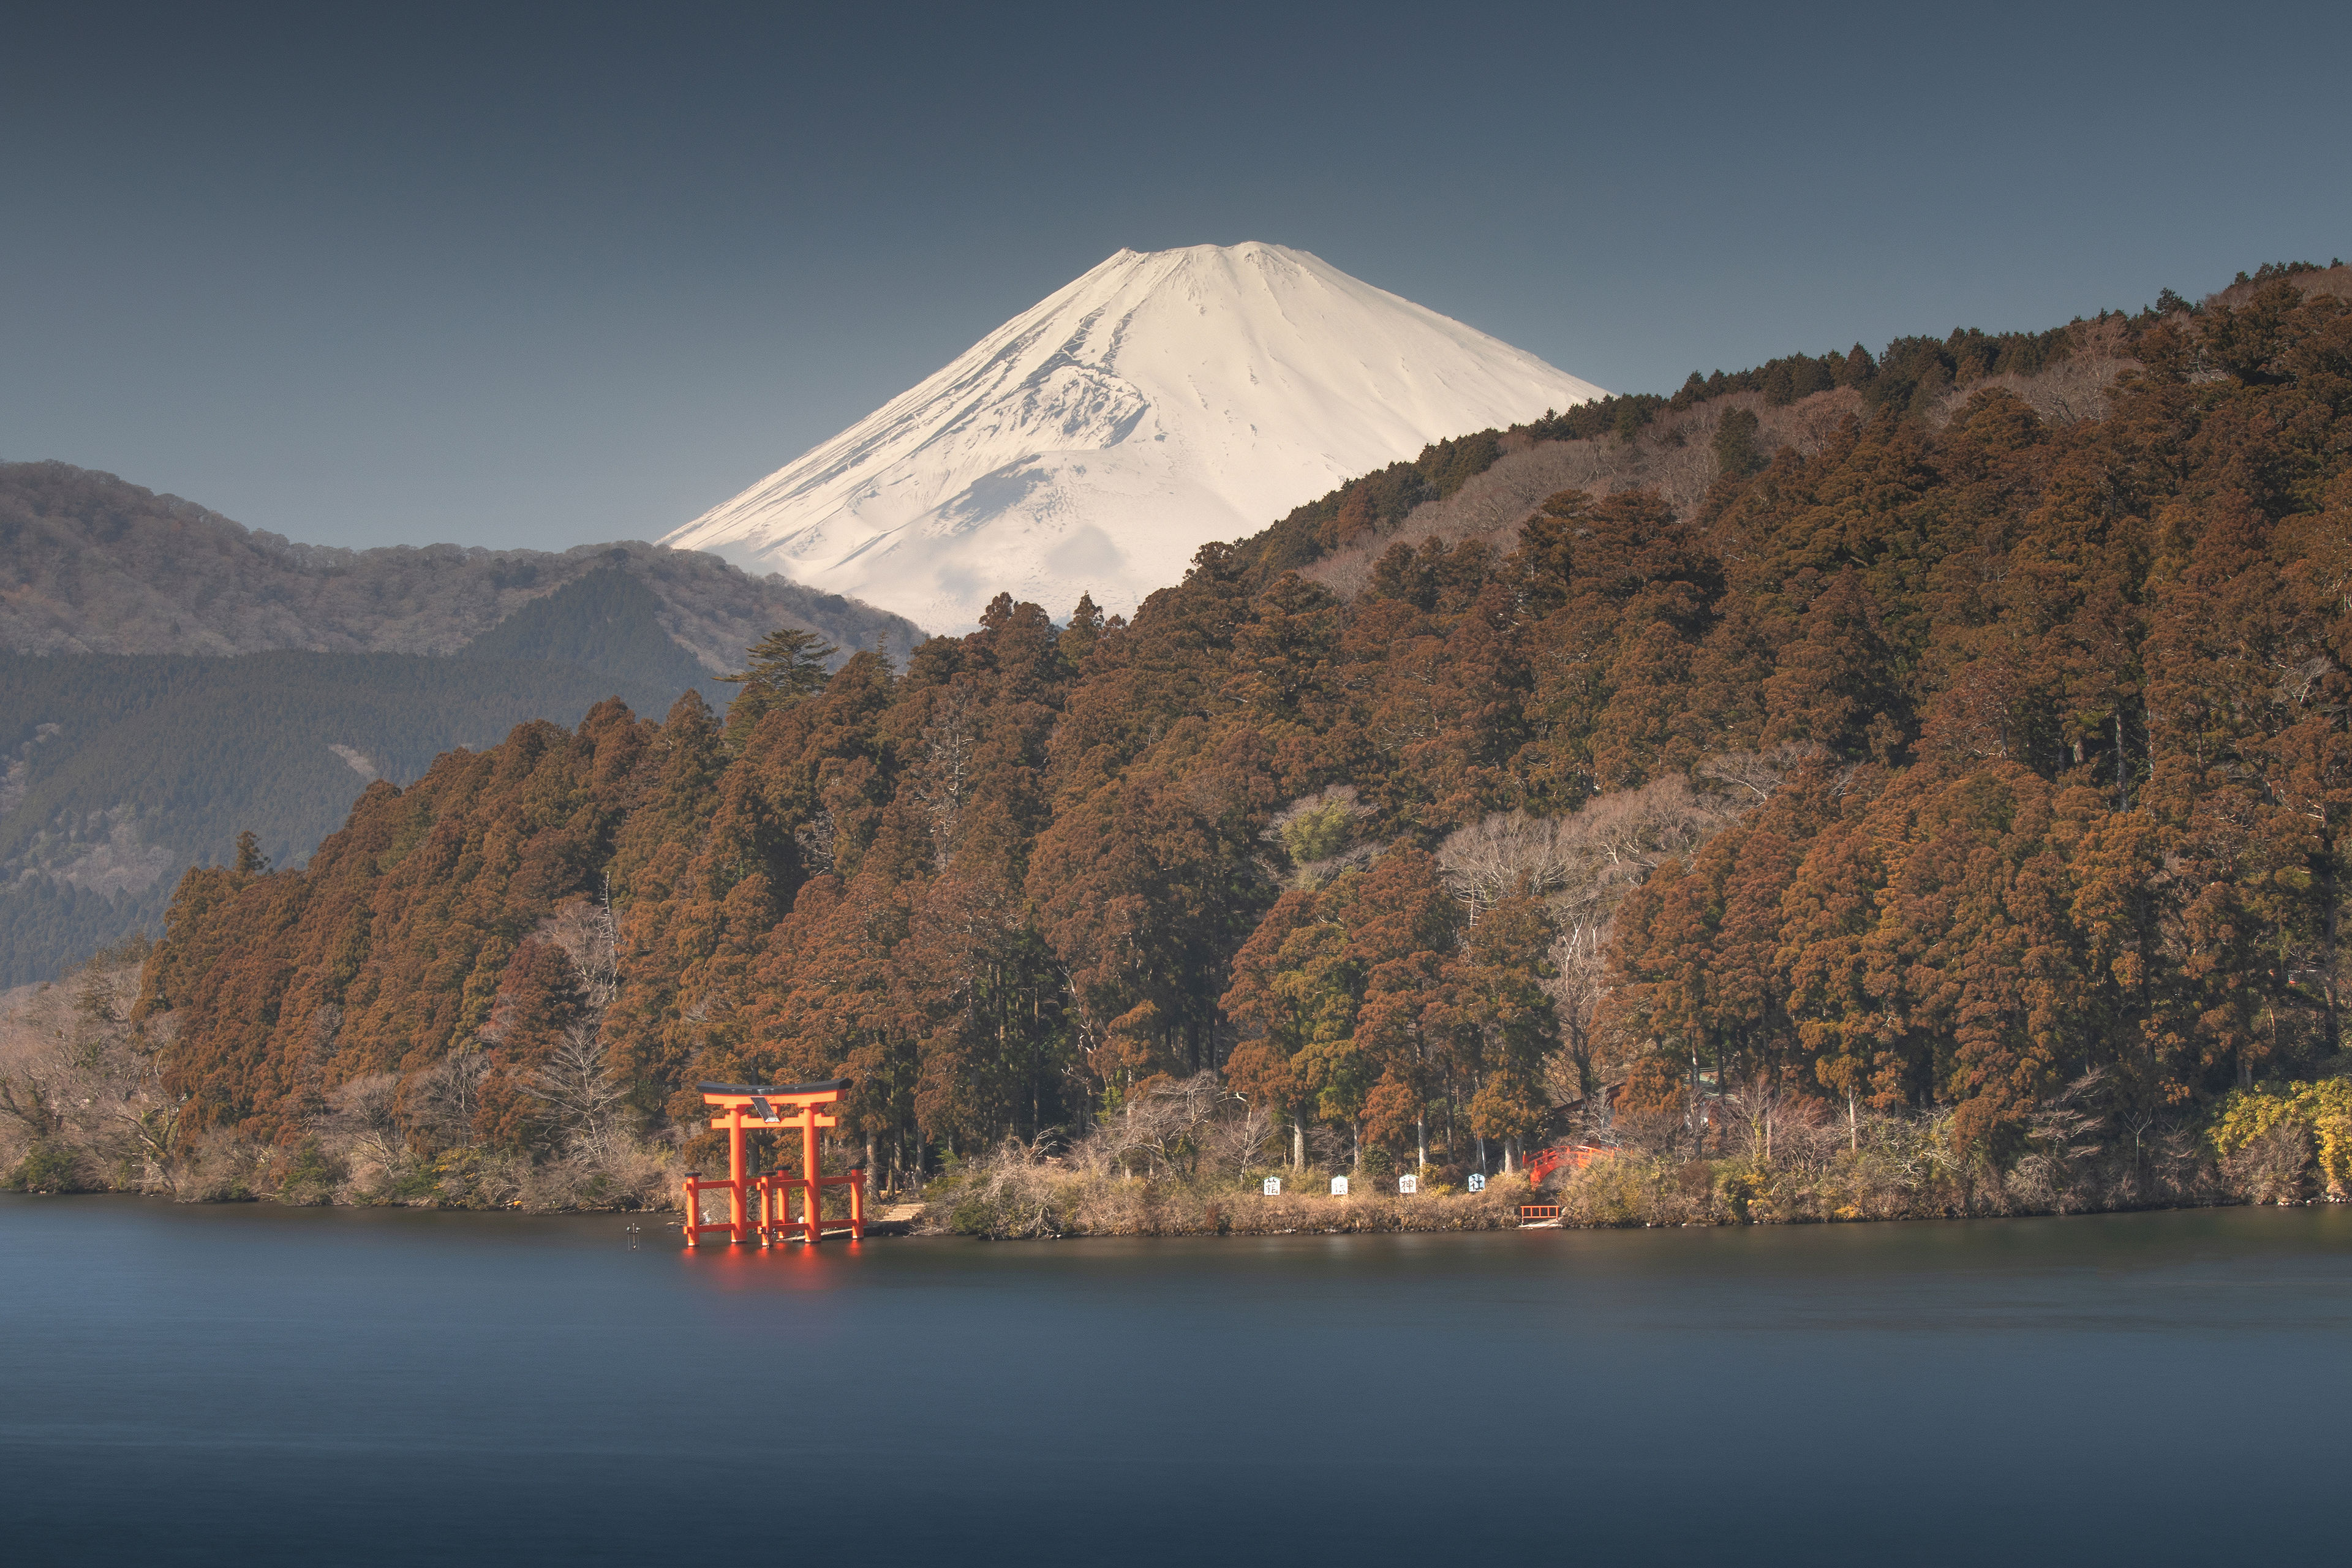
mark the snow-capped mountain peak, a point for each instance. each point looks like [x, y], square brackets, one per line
[1094, 442]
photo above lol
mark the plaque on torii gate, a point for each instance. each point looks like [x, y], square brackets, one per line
[772, 1108]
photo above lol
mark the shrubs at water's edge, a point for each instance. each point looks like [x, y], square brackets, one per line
[82, 1108]
[1773, 1161]
[1010, 1196]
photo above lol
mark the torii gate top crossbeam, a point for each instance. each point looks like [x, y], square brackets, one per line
[762, 1100]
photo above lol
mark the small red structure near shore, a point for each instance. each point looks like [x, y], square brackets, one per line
[1569, 1156]
[772, 1108]
[1544, 1162]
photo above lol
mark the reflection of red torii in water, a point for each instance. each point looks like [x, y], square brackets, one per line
[773, 1109]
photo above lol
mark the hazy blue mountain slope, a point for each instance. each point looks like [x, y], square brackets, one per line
[607, 622]
[127, 755]
[122, 771]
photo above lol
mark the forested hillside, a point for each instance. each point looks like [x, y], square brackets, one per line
[1954, 761]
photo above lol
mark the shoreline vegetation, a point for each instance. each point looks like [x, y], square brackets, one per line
[1860, 788]
[1013, 1195]
[1787, 1164]
[1187, 1158]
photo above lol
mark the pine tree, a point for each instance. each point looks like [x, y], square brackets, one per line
[787, 666]
[1736, 451]
[250, 860]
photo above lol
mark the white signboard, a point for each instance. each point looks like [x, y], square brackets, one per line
[1478, 1184]
[1273, 1186]
[1339, 1186]
[1408, 1183]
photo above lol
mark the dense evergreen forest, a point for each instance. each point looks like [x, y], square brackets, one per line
[1961, 762]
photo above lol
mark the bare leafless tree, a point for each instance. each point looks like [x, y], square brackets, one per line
[76, 1075]
[578, 1087]
[1508, 855]
[1235, 1138]
[2063, 1138]
[1578, 981]
[361, 1128]
[941, 778]
[1583, 865]
[1176, 1125]
[442, 1100]
[1751, 778]
[1775, 1126]
[584, 930]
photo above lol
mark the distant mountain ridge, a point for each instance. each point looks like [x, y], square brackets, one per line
[169, 678]
[1092, 443]
[89, 564]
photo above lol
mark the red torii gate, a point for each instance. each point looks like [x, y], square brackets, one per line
[772, 1108]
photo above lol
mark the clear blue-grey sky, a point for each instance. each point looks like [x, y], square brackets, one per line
[521, 276]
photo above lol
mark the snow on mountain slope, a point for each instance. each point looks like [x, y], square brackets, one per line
[1096, 440]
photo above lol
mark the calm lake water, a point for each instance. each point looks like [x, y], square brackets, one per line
[258, 1385]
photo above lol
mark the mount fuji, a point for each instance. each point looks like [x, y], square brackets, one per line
[1095, 441]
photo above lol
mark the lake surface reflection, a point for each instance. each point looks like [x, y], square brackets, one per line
[259, 1384]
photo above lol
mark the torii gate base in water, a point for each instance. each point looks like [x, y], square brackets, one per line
[773, 1108]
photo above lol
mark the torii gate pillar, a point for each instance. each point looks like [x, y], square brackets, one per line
[772, 1108]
